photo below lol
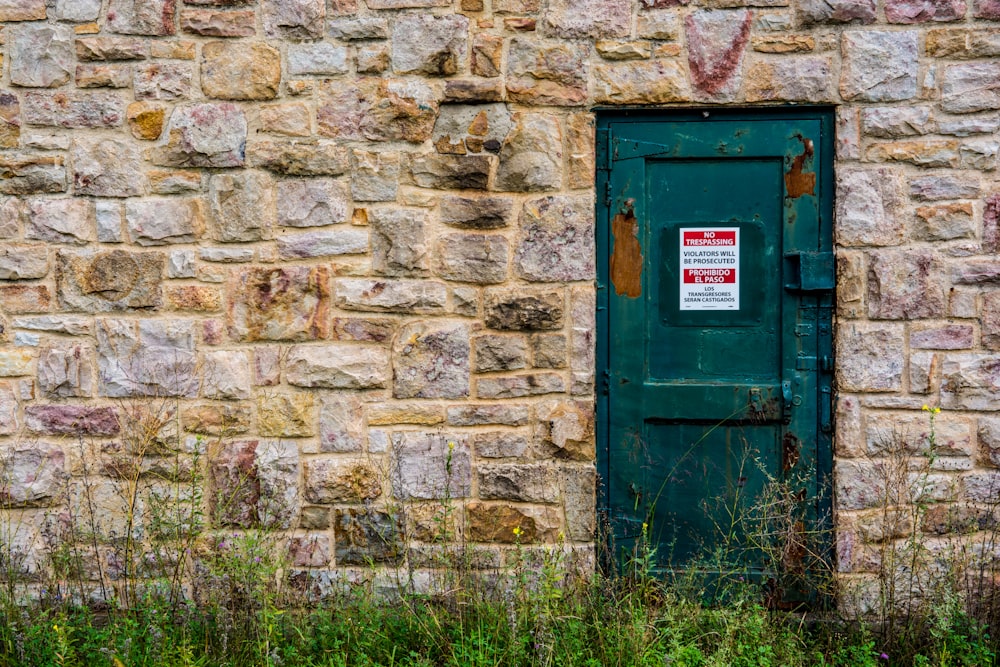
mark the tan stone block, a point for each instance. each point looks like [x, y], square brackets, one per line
[199, 298]
[216, 418]
[18, 299]
[103, 76]
[174, 181]
[289, 119]
[922, 152]
[16, 361]
[212, 23]
[240, 71]
[962, 43]
[177, 50]
[286, 414]
[784, 43]
[623, 50]
[145, 119]
[405, 413]
[504, 523]
[655, 82]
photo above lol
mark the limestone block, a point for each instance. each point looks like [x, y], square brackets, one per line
[73, 420]
[341, 423]
[500, 414]
[242, 206]
[948, 337]
[475, 212]
[556, 240]
[15, 361]
[548, 351]
[879, 66]
[10, 120]
[717, 41]
[523, 309]
[359, 28]
[323, 244]
[35, 474]
[531, 483]
[17, 299]
[429, 466]
[519, 386]
[547, 75]
[294, 119]
[803, 79]
[499, 445]
[60, 221]
[473, 128]
[531, 156]
[111, 48]
[869, 357]
[487, 51]
[329, 481]
[99, 75]
[255, 484]
[431, 360]
[396, 296]
[472, 258]
[969, 381]
[451, 172]
[943, 186]
[312, 203]
[377, 110]
[365, 536]
[161, 221]
[203, 135]
[429, 44]
[868, 203]
[496, 522]
[837, 11]
[101, 281]
[146, 357]
[374, 175]
[944, 222]
[225, 374]
[399, 242]
[23, 261]
[859, 485]
[66, 371]
[638, 82]
[107, 168]
[285, 414]
[225, 419]
[309, 551]
[162, 81]
[9, 422]
[240, 70]
[337, 366]
[579, 497]
[293, 19]
[493, 352]
[287, 303]
[293, 158]
[905, 284]
[28, 174]
[73, 109]
[212, 23]
[22, 10]
[41, 54]
[893, 122]
[920, 11]
[142, 17]
[576, 19]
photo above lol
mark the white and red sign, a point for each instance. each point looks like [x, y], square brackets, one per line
[710, 266]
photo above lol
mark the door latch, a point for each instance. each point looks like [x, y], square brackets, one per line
[786, 401]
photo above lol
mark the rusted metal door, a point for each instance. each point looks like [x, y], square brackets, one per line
[715, 301]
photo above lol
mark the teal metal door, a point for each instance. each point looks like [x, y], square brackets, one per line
[715, 294]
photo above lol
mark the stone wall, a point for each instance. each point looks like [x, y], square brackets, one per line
[344, 249]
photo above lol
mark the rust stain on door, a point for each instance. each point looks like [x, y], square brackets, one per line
[797, 181]
[626, 258]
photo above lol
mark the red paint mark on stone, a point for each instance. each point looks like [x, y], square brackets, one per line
[919, 11]
[716, 42]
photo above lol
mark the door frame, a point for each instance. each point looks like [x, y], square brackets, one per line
[604, 200]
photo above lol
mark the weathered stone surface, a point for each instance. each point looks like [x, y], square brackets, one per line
[966, 88]
[990, 320]
[73, 109]
[35, 474]
[440, 50]
[99, 75]
[431, 466]
[398, 296]
[575, 19]
[146, 357]
[337, 366]
[286, 414]
[23, 262]
[566, 429]
[294, 19]
[717, 41]
[15, 361]
[499, 353]
[66, 371]
[531, 157]
[107, 168]
[98, 281]
[212, 23]
[624, 50]
[372, 59]
[804, 79]
[446, 172]
[254, 484]
[431, 360]
[160, 221]
[196, 298]
[60, 221]
[73, 420]
[225, 374]
[320, 58]
[367, 536]
[986, 9]
[879, 66]
[362, 27]
[374, 176]
[41, 54]
[893, 122]
[859, 485]
[473, 258]
[204, 135]
[22, 10]
[9, 421]
[337, 481]
[288, 303]
[469, 91]
[943, 186]
[969, 381]
[242, 206]
[905, 285]
[240, 70]
[948, 337]
[656, 82]
[293, 158]
[579, 495]
[488, 415]
[378, 110]
[976, 271]
[312, 203]
[10, 120]
[111, 48]
[868, 201]
[531, 483]
[294, 119]
[517, 309]
[472, 128]
[475, 212]
[556, 241]
[323, 244]
[145, 120]
[919, 11]
[499, 445]
[18, 299]
[341, 423]
[837, 11]
[492, 522]
[989, 440]
[870, 357]
[28, 174]
[142, 17]
[944, 222]
[919, 152]
[546, 75]
[405, 4]
[162, 81]
[399, 244]
[535, 384]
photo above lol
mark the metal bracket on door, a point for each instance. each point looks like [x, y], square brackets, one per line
[786, 401]
[809, 271]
